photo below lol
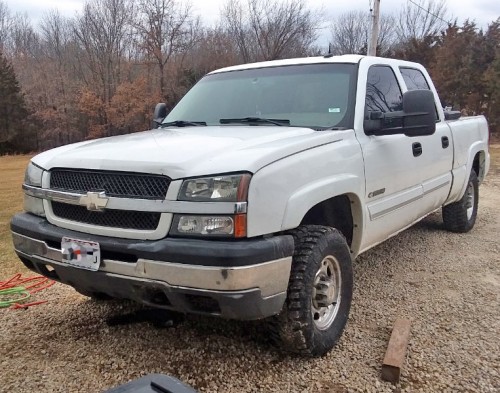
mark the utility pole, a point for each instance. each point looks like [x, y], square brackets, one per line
[372, 43]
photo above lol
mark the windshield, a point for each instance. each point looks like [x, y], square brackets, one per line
[311, 95]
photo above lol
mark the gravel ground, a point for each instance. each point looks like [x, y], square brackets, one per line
[447, 284]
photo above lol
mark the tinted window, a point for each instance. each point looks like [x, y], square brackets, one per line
[414, 79]
[311, 95]
[382, 90]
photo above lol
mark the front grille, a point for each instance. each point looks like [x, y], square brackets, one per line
[125, 219]
[115, 184]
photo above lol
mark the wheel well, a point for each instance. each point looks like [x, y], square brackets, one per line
[478, 165]
[335, 212]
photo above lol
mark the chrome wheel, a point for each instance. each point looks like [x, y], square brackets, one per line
[326, 293]
[469, 203]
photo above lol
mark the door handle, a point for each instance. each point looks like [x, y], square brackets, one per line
[417, 149]
[445, 142]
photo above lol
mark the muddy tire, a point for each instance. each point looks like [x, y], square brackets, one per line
[319, 293]
[461, 216]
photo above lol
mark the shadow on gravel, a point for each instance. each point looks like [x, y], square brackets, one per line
[432, 223]
[157, 330]
[203, 326]
[163, 330]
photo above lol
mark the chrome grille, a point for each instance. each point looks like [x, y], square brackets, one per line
[115, 184]
[125, 219]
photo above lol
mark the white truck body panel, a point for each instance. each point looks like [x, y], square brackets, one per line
[294, 169]
[235, 195]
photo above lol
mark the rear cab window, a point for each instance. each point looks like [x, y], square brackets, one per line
[415, 80]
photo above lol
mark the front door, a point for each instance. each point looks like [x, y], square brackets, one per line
[392, 162]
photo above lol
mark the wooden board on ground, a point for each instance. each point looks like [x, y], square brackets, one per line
[396, 351]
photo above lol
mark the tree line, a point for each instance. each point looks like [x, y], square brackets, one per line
[101, 72]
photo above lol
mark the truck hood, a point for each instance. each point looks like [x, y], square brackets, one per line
[186, 152]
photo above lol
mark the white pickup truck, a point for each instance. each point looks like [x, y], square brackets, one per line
[253, 196]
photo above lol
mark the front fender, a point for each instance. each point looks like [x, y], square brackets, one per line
[280, 194]
[303, 199]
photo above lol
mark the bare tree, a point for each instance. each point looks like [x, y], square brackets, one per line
[166, 28]
[268, 30]
[25, 41]
[58, 82]
[103, 30]
[5, 25]
[350, 31]
[236, 23]
[215, 49]
[56, 36]
[421, 18]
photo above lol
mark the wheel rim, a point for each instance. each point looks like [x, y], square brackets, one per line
[469, 204]
[326, 293]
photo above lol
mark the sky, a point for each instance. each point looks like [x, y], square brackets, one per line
[481, 11]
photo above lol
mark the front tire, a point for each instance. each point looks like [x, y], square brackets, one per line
[319, 292]
[461, 216]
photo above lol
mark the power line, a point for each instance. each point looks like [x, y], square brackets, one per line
[430, 13]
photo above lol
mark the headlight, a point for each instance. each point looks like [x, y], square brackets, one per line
[224, 188]
[33, 175]
[207, 226]
[204, 225]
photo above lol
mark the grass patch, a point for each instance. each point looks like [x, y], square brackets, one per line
[11, 196]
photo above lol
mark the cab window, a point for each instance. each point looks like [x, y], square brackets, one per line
[383, 93]
[415, 80]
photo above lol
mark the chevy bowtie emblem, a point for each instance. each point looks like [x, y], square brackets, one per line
[95, 201]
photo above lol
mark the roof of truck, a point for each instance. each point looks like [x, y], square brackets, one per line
[301, 60]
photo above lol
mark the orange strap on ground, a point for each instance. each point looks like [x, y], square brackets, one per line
[24, 306]
[35, 284]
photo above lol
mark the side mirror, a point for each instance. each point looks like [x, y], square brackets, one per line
[452, 115]
[419, 113]
[159, 114]
[417, 118]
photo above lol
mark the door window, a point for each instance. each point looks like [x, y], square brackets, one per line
[383, 93]
[414, 79]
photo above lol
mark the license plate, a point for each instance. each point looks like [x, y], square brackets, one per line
[81, 253]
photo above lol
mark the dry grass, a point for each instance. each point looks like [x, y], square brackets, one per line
[495, 158]
[11, 197]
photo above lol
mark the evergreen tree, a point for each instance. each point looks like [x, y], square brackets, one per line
[12, 110]
[492, 82]
[458, 68]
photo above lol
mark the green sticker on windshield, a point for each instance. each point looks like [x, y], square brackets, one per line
[334, 110]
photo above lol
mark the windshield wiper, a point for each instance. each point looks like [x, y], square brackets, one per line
[256, 120]
[334, 128]
[183, 123]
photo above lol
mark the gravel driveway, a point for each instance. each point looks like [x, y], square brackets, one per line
[447, 284]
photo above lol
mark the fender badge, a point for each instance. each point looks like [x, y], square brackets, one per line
[376, 193]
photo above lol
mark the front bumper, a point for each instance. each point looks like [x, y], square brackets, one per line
[244, 279]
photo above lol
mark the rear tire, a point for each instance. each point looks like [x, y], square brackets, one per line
[461, 216]
[319, 293]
